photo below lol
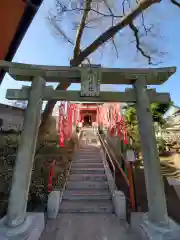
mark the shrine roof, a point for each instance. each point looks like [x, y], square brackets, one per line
[25, 21]
[24, 72]
[10, 107]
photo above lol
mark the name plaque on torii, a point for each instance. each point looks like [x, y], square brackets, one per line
[90, 82]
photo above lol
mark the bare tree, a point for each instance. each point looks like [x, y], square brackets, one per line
[78, 21]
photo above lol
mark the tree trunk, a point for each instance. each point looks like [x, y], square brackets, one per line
[46, 115]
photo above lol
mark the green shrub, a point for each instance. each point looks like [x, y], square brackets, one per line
[161, 144]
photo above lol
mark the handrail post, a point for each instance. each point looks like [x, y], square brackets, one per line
[131, 185]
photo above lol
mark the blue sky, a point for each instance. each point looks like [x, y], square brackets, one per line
[41, 46]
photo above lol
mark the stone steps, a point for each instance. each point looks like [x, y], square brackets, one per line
[98, 161]
[81, 160]
[86, 194]
[87, 177]
[96, 206]
[89, 149]
[87, 170]
[87, 185]
[87, 165]
[86, 152]
[87, 190]
[89, 158]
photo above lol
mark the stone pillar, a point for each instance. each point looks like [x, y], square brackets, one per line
[154, 182]
[17, 205]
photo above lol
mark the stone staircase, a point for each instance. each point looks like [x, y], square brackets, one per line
[86, 210]
[87, 189]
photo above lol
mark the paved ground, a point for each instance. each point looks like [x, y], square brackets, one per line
[87, 227]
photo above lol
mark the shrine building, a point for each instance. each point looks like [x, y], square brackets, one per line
[88, 113]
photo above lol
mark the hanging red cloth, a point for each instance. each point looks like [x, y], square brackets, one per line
[61, 139]
[75, 113]
[99, 116]
[125, 137]
[120, 132]
[123, 129]
[51, 174]
[112, 131]
[114, 118]
[120, 127]
[68, 120]
[61, 130]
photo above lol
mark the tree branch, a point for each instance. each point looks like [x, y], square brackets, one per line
[136, 32]
[112, 24]
[92, 10]
[59, 30]
[49, 107]
[89, 21]
[175, 3]
[108, 7]
[81, 27]
[145, 29]
[123, 5]
[115, 47]
[126, 20]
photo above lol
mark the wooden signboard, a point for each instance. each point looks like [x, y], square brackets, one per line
[90, 82]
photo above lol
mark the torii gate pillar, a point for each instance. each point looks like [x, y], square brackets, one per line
[24, 162]
[18, 224]
[155, 224]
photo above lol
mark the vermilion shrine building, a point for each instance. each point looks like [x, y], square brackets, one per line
[88, 112]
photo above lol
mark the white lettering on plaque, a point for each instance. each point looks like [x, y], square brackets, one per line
[90, 83]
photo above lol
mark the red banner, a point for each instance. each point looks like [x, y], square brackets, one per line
[50, 177]
[70, 120]
[61, 119]
[125, 137]
[122, 130]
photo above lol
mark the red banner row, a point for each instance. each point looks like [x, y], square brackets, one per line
[111, 118]
[67, 118]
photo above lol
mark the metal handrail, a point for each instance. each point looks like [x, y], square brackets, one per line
[120, 168]
[118, 165]
[128, 180]
[109, 157]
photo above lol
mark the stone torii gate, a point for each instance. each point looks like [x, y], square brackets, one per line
[154, 225]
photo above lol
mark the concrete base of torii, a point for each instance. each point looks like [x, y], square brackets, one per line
[31, 229]
[149, 231]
